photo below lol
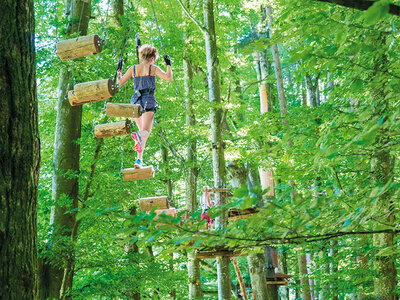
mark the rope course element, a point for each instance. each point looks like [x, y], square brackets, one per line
[103, 40]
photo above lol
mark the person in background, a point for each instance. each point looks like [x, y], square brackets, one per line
[205, 203]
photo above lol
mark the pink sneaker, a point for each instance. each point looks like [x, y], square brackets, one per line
[138, 141]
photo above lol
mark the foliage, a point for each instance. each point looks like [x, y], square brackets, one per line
[327, 152]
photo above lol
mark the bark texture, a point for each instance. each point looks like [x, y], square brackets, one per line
[20, 153]
[258, 276]
[217, 138]
[193, 265]
[302, 260]
[66, 170]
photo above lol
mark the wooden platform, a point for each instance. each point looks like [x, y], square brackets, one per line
[214, 253]
[137, 174]
[169, 212]
[280, 279]
[124, 110]
[147, 204]
[237, 214]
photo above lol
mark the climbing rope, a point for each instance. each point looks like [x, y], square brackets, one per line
[177, 91]
[122, 159]
[103, 40]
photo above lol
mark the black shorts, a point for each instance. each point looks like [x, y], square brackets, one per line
[144, 105]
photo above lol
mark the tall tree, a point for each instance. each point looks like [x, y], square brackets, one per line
[195, 291]
[20, 153]
[66, 167]
[223, 272]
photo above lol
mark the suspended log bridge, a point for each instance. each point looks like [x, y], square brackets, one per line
[237, 214]
[137, 174]
[79, 47]
[112, 129]
[91, 92]
[124, 110]
[147, 204]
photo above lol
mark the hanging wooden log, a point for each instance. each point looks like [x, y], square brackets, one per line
[169, 212]
[92, 91]
[124, 110]
[147, 204]
[137, 174]
[79, 47]
[112, 129]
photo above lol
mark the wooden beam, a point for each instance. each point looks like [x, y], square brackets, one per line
[219, 190]
[147, 204]
[169, 212]
[123, 110]
[363, 5]
[112, 129]
[79, 47]
[214, 254]
[137, 174]
[237, 214]
[239, 277]
[284, 282]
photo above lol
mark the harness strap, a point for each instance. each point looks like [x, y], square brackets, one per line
[150, 70]
[134, 71]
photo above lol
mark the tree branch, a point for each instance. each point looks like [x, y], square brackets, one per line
[362, 5]
[187, 12]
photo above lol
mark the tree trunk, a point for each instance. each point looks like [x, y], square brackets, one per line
[303, 276]
[217, 138]
[258, 277]
[265, 67]
[118, 8]
[66, 170]
[312, 91]
[166, 171]
[285, 271]
[334, 267]
[20, 153]
[278, 69]
[382, 166]
[193, 265]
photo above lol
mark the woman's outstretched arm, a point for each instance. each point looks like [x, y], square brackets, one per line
[122, 80]
[165, 75]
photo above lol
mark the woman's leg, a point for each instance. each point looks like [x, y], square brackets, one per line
[146, 123]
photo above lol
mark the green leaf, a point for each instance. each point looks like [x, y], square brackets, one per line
[377, 11]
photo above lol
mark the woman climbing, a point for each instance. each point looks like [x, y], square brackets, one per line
[144, 77]
[205, 203]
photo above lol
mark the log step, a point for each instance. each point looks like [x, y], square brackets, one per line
[124, 110]
[147, 204]
[112, 129]
[137, 174]
[91, 91]
[79, 47]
